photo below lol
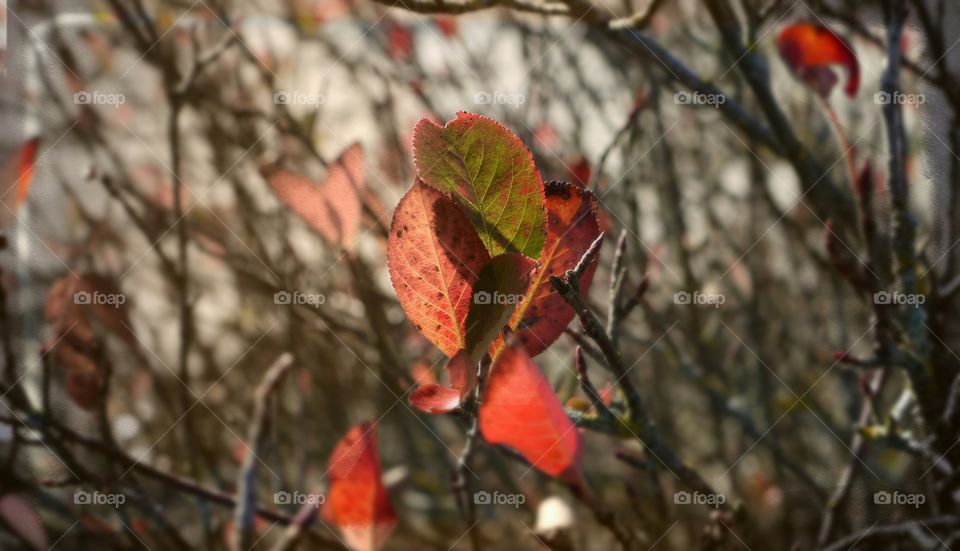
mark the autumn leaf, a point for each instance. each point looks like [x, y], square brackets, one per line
[521, 411]
[572, 227]
[18, 171]
[434, 257]
[433, 397]
[497, 292]
[333, 208]
[810, 50]
[20, 515]
[357, 500]
[492, 176]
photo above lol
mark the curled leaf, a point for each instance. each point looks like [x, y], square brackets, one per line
[810, 50]
[436, 398]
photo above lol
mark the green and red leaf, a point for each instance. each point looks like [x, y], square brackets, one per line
[357, 501]
[333, 209]
[434, 258]
[521, 411]
[810, 50]
[496, 295]
[572, 227]
[491, 174]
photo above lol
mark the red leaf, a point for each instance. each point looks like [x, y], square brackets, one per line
[333, 208]
[434, 257]
[400, 42]
[357, 501]
[520, 410]
[571, 227]
[491, 176]
[447, 25]
[20, 515]
[809, 50]
[436, 398]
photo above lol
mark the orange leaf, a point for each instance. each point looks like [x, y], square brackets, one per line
[357, 501]
[434, 257]
[28, 159]
[333, 208]
[571, 227]
[521, 411]
[809, 50]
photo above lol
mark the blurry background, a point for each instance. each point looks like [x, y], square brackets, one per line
[155, 118]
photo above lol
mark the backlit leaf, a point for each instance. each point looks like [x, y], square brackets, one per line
[521, 411]
[332, 208]
[571, 227]
[434, 257]
[810, 50]
[357, 500]
[492, 176]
